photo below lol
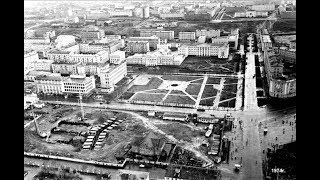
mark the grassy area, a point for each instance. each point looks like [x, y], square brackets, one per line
[197, 81]
[231, 103]
[177, 92]
[154, 83]
[127, 95]
[284, 25]
[211, 80]
[230, 88]
[209, 91]
[160, 91]
[193, 89]
[179, 100]
[148, 97]
[226, 95]
[207, 102]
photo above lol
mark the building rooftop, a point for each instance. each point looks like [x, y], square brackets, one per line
[51, 77]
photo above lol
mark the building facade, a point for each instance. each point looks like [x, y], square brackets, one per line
[49, 84]
[208, 33]
[117, 57]
[159, 33]
[187, 36]
[221, 50]
[112, 74]
[154, 41]
[78, 84]
[138, 47]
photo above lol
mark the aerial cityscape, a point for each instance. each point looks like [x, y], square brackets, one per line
[160, 90]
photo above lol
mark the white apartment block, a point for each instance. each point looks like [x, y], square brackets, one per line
[79, 84]
[146, 12]
[138, 47]
[29, 59]
[208, 33]
[65, 68]
[72, 57]
[31, 75]
[220, 50]
[159, 33]
[117, 57]
[50, 84]
[111, 75]
[157, 58]
[42, 64]
[264, 7]
[187, 36]
[232, 40]
[250, 14]
[110, 47]
[154, 41]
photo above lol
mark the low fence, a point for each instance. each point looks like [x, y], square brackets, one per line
[76, 160]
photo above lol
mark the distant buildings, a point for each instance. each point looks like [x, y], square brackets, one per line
[138, 12]
[232, 40]
[91, 35]
[157, 58]
[250, 14]
[208, 33]
[117, 57]
[154, 41]
[138, 47]
[263, 7]
[214, 49]
[187, 36]
[159, 33]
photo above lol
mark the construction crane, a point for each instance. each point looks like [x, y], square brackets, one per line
[81, 106]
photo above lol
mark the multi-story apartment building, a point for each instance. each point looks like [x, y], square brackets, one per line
[91, 35]
[50, 84]
[159, 33]
[65, 68]
[110, 47]
[288, 55]
[42, 65]
[29, 58]
[232, 40]
[154, 41]
[221, 49]
[31, 75]
[157, 58]
[280, 86]
[138, 47]
[77, 54]
[117, 57]
[263, 7]
[146, 12]
[187, 36]
[112, 74]
[78, 84]
[265, 42]
[250, 14]
[208, 33]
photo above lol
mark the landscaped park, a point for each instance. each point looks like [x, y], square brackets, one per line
[183, 91]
